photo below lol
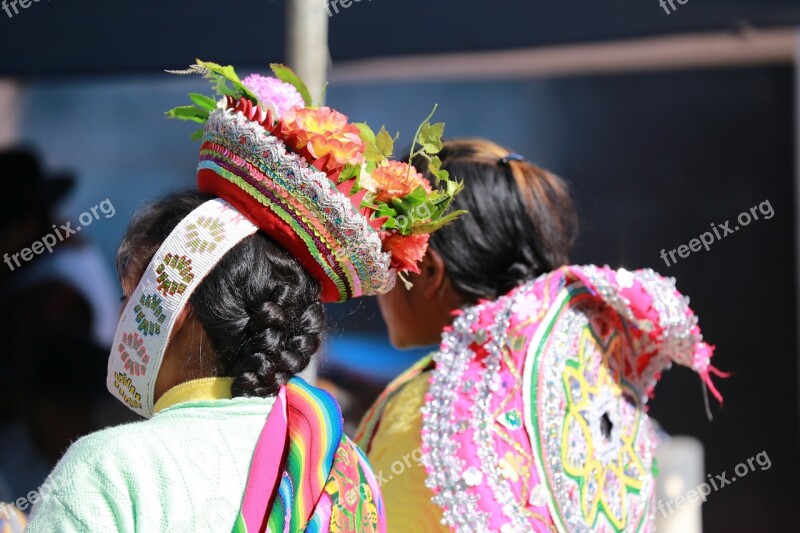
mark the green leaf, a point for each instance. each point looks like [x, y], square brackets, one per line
[227, 71]
[430, 137]
[372, 154]
[198, 135]
[349, 172]
[228, 74]
[376, 147]
[435, 168]
[287, 75]
[385, 143]
[434, 225]
[384, 210]
[189, 112]
[223, 89]
[454, 187]
[370, 166]
[365, 132]
[415, 141]
[203, 102]
[438, 130]
[416, 197]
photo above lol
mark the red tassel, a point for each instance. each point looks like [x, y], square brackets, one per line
[710, 384]
[719, 373]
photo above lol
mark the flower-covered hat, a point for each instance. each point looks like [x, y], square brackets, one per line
[535, 416]
[324, 188]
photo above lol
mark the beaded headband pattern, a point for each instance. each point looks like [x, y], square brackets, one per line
[323, 188]
[181, 263]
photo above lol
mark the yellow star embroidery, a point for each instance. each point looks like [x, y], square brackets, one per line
[604, 483]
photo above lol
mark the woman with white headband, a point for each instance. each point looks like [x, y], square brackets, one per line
[223, 292]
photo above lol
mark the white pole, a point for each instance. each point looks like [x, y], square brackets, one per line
[307, 43]
[667, 52]
[307, 54]
[678, 502]
[10, 99]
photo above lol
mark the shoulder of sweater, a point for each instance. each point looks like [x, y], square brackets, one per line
[132, 434]
[85, 466]
[86, 452]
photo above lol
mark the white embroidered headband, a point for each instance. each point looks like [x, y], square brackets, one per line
[184, 259]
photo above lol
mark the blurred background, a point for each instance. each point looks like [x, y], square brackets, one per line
[665, 118]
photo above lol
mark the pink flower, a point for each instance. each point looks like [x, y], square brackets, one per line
[275, 95]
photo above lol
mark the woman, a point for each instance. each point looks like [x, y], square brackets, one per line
[223, 292]
[530, 416]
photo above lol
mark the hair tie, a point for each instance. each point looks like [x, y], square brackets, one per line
[511, 157]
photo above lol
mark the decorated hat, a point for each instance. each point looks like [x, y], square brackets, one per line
[323, 188]
[535, 417]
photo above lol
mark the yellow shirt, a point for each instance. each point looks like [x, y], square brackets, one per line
[396, 459]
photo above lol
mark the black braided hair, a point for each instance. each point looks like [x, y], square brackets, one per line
[260, 309]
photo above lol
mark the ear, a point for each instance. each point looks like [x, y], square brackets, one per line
[433, 272]
[183, 316]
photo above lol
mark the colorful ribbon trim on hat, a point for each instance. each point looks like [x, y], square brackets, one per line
[181, 263]
[347, 253]
[305, 474]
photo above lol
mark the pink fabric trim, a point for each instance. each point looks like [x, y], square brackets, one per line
[265, 469]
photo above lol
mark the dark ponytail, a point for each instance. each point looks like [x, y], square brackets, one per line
[260, 309]
[521, 220]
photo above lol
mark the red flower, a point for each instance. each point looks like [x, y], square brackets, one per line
[407, 251]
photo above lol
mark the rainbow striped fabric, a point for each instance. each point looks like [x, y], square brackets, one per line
[314, 479]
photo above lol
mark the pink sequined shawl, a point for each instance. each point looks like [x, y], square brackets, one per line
[535, 417]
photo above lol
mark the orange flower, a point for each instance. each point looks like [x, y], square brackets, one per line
[324, 132]
[406, 251]
[394, 179]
